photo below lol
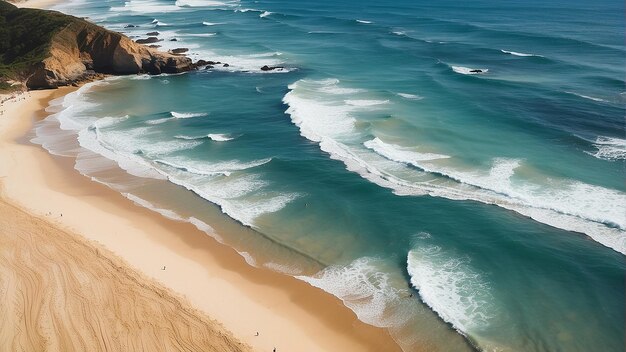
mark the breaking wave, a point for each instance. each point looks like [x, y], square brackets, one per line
[566, 204]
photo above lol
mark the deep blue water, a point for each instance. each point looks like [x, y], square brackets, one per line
[453, 172]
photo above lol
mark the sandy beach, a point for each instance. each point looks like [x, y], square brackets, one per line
[62, 294]
[48, 204]
[39, 4]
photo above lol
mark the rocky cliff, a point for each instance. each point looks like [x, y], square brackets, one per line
[72, 49]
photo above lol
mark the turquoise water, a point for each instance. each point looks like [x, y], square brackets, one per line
[461, 210]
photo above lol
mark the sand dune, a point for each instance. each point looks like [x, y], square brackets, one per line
[61, 293]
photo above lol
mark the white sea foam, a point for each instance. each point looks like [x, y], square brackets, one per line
[244, 10]
[518, 54]
[251, 63]
[317, 119]
[265, 14]
[109, 121]
[158, 121]
[451, 287]
[219, 137]
[228, 194]
[366, 102]
[76, 123]
[289, 270]
[609, 148]
[321, 82]
[141, 77]
[201, 167]
[152, 6]
[566, 204]
[468, 71]
[248, 209]
[203, 226]
[410, 96]
[331, 86]
[187, 115]
[204, 3]
[199, 35]
[144, 203]
[182, 136]
[234, 195]
[127, 161]
[399, 154]
[587, 97]
[400, 33]
[366, 288]
[364, 21]
[210, 23]
[199, 224]
[102, 144]
[333, 89]
[131, 141]
[191, 169]
[248, 258]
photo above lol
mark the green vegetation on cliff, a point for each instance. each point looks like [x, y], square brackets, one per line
[25, 36]
[47, 49]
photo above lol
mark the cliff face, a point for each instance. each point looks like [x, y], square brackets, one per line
[77, 49]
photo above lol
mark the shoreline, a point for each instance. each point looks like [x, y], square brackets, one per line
[289, 314]
[37, 4]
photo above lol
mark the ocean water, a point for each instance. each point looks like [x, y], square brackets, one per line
[454, 172]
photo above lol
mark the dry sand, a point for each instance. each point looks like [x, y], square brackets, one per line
[60, 293]
[289, 314]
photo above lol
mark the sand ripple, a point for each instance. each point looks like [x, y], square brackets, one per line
[61, 293]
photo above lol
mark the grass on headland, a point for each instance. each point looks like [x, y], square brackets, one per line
[25, 36]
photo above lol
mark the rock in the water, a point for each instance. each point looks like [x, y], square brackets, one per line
[476, 71]
[173, 40]
[154, 46]
[148, 40]
[130, 26]
[153, 34]
[179, 51]
[270, 68]
[225, 65]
